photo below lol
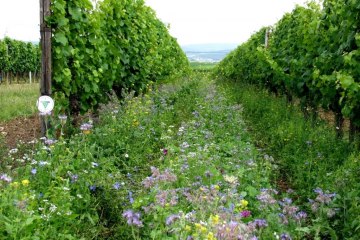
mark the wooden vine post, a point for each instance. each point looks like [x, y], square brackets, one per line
[267, 37]
[46, 63]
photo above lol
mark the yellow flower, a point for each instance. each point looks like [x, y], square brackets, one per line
[198, 225]
[210, 236]
[214, 219]
[15, 184]
[244, 203]
[135, 123]
[86, 132]
[188, 228]
[25, 182]
[216, 187]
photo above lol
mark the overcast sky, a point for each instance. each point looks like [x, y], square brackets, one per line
[191, 21]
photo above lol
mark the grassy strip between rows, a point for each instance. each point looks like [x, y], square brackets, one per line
[18, 100]
[176, 163]
[307, 153]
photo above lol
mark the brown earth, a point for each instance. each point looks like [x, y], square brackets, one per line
[23, 129]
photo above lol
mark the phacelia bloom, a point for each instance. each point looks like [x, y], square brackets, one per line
[172, 218]
[86, 128]
[208, 174]
[33, 171]
[157, 176]
[184, 145]
[300, 215]
[92, 188]
[50, 142]
[285, 236]
[257, 223]
[116, 186]
[5, 178]
[43, 163]
[45, 113]
[63, 117]
[132, 218]
[245, 214]
[131, 199]
[265, 197]
[74, 178]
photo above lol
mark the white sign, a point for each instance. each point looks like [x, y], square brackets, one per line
[45, 104]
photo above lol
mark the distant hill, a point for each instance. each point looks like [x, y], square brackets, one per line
[209, 47]
[208, 52]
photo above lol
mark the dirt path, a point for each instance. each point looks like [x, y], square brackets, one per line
[23, 129]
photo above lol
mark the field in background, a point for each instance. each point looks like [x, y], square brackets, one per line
[202, 66]
[18, 100]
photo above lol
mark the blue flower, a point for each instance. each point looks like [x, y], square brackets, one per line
[116, 186]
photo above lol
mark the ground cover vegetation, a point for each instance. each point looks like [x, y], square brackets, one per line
[175, 163]
[309, 60]
[186, 159]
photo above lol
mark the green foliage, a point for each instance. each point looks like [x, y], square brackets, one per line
[18, 100]
[312, 55]
[182, 151]
[307, 154]
[115, 45]
[18, 57]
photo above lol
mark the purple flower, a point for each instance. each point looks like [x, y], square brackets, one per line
[92, 188]
[50, 142]
[300, 215]
[172, 218]
[62, 117]
[208, 174]
[132, 218]
[33, 171]
[86, 126]
[257, 223]
[245, 214]
[131, 199]
[165, 151]
[74, 178]
[285, 236]
[116, 186]
[5, 178]
[45, 113]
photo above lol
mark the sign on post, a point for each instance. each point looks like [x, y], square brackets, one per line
[45, 104]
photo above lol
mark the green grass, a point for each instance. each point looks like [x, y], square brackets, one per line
[18, 100]
[202, 66]
[307, 153]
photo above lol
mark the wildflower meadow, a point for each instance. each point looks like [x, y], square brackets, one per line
[178, 162]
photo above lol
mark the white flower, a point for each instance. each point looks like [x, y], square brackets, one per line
[13, 151]
[52, 208]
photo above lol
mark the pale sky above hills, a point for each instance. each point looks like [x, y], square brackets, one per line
[191, 21]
